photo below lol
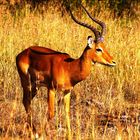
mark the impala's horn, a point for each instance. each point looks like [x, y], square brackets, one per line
[93, 29]
[102, 24]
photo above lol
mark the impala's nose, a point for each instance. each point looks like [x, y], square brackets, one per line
[113, 63]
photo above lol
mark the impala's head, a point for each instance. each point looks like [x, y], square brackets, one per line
[98, 52]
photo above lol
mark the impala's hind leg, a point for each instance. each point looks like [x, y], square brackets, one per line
[29, 91]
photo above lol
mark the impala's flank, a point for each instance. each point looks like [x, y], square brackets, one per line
[58, 71]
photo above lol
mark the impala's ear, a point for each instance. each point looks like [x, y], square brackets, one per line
[90, 41]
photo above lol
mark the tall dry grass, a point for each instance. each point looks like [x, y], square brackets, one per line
[104, 106]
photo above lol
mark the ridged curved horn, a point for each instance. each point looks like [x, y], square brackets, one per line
[102, 24]
[94, 30]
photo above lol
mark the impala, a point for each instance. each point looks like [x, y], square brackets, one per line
[58, 71]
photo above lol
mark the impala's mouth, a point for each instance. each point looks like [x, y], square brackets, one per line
[109, 64]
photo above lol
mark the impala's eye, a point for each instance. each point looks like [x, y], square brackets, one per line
[99, 50]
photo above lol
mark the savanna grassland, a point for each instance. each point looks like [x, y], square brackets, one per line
[104, 106]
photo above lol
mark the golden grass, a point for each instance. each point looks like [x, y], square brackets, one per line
[98, 104]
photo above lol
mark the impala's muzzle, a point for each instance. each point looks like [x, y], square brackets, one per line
[113, 63]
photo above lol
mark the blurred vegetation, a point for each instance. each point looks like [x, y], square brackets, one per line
[117, 8]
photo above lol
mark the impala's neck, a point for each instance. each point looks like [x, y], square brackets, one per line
[88, 55]
[85, 61]
[81, 67]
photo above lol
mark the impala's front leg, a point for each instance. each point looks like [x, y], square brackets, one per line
[67, 112]
[51, 102]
